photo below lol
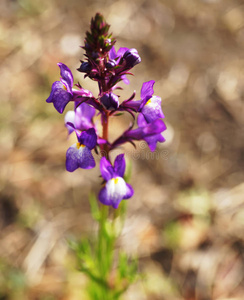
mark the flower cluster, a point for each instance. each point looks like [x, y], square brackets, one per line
[108, 67]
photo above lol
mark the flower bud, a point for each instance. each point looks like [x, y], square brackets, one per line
[110, 101]
[85, 67]
[111, 64]
[132, 58]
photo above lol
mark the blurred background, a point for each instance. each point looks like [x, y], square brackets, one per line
[186, 219]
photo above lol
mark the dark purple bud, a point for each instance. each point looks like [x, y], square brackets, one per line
[110, 101]
[111, 64]
[131, 58]
[95, 55]
[85, 67]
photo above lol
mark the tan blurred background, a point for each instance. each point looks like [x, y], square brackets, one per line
[186, 219]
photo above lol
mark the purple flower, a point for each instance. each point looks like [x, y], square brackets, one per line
[154, 138]
[81, 117]
[150, 132]
[110, 101]
[149, 105]
[152, 109]
[146, 94]
[115, 189]
[61, 92]
[79, 155]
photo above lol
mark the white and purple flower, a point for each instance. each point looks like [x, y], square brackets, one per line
[81, 117]
[149, 105]
[115, 189]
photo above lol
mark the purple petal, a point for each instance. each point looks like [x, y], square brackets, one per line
[152, 141]
[86, 160]
[133, 104]
[79, 158]
[59, 96]
[125, 79]
[147, 90]
[119, 165]
[103, 197]
[66, 75]
[71, 159]
[156, 126]
[152, 135]
[145, 129]
[129, 191]
[106, 169]
[112, 53]
[121, 51]
[141, 121]
[83, 116]
[82, 93]
[88, 138]
[152, 109]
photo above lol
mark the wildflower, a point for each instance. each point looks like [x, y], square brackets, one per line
[107, 67]
[149, 132]
[149, 105]
[79, 155]
[81, 117]
[151, 139]
[115, 189]
[61, 92]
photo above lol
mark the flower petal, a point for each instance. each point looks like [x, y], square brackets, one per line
[72, 159]
[66, 75]
[103, 197]
[152, 109]
[147, 91]
[79, 158]
[106, 169]
[88, 138]
[119, 165]
[85, 158]
[59, 96]
[121, 51]
[152, 141]
[129, 191]
[112, 53]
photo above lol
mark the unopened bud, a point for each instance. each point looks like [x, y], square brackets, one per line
[110, 101]
[85, 67]
[131, 58]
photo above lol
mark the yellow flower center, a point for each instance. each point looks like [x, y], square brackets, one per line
[115, 180]
[78, 145]
[64, 87]
[149, 101]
